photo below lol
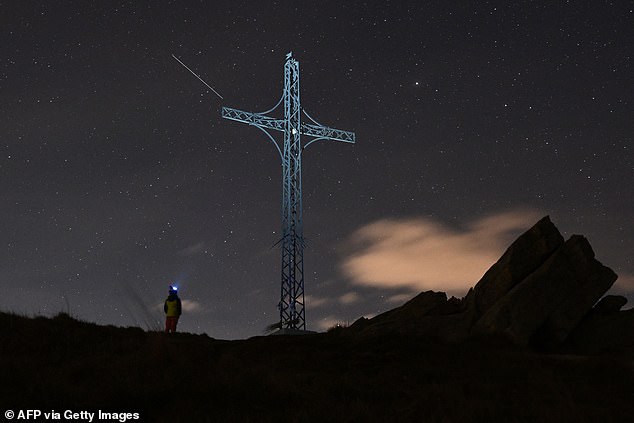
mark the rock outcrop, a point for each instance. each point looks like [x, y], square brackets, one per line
[539, 292]
[521, 259]
[429, 313]
[551, 300]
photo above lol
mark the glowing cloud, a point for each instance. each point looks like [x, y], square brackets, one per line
[349, 298]
[188, 306]
[624, 284]
[330, 322]
[423, 254]
[313, 302]
[191, 306]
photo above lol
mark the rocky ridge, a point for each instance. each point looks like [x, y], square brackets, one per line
[543, 292]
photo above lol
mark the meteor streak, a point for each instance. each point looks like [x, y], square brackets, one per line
[194, 73]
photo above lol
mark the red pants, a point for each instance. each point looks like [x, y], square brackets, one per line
[170, 324]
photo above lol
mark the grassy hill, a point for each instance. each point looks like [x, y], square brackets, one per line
[62, 363]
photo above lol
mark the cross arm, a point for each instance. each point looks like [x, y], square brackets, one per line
[254, 119]
[326, 132]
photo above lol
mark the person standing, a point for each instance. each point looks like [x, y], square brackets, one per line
[173, 310]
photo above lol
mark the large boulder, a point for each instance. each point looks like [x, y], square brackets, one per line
[521, 259]
[551, 300]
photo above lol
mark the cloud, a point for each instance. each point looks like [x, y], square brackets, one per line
[188, 306]
[192, 249]
[191, 306]
[423, 254]
[329, 322]
[313, 302]
[624, 284]
[349, 298]
[400, 298]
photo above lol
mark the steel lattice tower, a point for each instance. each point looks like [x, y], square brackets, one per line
[292, 313]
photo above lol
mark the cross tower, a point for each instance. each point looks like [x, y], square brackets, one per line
[292, 313]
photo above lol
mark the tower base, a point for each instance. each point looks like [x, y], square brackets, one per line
[287, 331]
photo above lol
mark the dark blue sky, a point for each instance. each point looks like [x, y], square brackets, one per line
[118, 176]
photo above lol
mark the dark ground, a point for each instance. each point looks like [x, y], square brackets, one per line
[61, 363]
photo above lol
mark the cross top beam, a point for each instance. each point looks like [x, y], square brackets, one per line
[291, 305]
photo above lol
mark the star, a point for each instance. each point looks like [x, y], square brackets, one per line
[487, 125]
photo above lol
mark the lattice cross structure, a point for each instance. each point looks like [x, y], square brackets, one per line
[292, 302]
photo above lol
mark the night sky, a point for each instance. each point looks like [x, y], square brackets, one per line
[473, 120]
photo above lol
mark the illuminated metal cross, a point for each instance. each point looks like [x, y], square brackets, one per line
[292, 313]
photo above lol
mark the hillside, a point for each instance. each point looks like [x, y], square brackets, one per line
[563, 358]
[65, 364]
